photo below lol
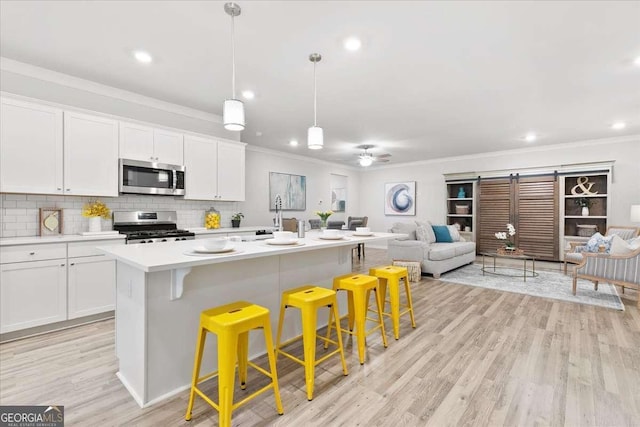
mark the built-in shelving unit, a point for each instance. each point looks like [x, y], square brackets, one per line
[461, 206]
[591, 189]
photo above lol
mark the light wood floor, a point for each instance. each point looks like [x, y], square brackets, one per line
[477, 357]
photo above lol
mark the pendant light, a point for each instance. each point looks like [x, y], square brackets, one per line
[233, 109]
[315, 137]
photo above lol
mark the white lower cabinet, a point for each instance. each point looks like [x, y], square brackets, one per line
[91, 286]
[32, 294]
[48, 283]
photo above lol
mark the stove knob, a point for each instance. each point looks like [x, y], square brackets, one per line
[149, 241]
[142, 241]
[163, 240]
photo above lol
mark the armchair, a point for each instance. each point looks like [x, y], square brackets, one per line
[575, 256]
[357, 221]
[621, 270]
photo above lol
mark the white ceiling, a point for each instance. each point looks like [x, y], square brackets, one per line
[433, 79]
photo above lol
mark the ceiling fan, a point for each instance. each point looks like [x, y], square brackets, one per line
[366, 158]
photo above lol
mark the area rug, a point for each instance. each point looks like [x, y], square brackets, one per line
[548, 284]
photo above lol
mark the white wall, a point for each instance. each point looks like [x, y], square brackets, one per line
[260, 162]
[430, 184]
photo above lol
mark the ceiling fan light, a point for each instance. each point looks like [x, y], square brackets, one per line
[315, 138]
[233, 115]
[366, 161]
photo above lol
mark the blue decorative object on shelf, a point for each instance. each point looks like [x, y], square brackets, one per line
[461, 193]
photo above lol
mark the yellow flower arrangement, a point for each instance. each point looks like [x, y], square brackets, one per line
[95, 209]
[324, 215]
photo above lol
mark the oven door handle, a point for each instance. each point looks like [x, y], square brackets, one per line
[175, 180]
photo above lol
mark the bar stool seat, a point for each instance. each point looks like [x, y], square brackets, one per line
[390, 276]
[232, 323]
[309, 299]
[359, 287]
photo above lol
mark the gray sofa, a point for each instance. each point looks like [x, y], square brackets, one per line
[420, 245]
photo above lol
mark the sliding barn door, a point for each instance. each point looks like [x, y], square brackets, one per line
[530, 204]
[536, 217]
[495, 203]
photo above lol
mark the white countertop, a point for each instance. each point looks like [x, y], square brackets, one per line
[171, 255]
[65, 238]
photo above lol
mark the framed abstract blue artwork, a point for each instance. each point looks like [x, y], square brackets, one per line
[400, 198]
[292, 190]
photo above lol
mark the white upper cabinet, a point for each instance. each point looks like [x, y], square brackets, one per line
[90, 155]
[136, 142]
[139, 142]
[215, 170]
[200, 160]
[231, 171]
[168, 147]
[31, 147]
[48, 151]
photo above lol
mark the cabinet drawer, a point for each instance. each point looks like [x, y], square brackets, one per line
[80, 249]
[23, 253]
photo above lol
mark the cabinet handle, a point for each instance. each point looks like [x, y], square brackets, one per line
[59, 188]
[32, 253]
[68, 189]
[61, 265]
[73, 263]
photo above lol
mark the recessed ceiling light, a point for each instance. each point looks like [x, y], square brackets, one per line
[248, 94]
[618, 125]
[293, 143]
[530, 137]
[142, 56]
[352, 44]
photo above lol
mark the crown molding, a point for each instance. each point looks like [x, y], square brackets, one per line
[44, 74]
[300, 157]
[515, 151]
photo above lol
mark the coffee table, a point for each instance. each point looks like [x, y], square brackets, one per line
[495, 270]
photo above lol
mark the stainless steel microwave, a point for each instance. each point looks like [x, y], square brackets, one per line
[151, 178]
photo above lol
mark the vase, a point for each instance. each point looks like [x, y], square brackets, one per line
[585, 211]
[323, 224]
[95, 224]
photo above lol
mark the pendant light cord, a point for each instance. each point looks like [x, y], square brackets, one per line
[315, 97]
[233, 57]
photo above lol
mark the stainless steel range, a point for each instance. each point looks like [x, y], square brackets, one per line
[149, 227]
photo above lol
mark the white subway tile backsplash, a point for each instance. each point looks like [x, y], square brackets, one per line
[20, 212]
[26, 204]
[14, 226]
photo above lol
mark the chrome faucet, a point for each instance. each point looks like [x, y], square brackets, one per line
[278, 220]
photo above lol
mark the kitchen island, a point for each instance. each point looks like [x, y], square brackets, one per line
[162, 288]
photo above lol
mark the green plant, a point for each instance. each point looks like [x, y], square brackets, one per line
[237, 216]
[584, 202]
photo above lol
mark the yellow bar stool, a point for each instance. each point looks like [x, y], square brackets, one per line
[232, 323]
[359, 287]
[390, 277]
[309, 299]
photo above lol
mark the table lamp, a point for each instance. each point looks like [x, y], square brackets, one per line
[635, 213]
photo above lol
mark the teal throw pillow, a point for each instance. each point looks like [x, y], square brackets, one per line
[442, 234]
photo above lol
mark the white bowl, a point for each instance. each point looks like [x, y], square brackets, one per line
[363, 230]
[331, 233]
[282, 236]
[215, 244]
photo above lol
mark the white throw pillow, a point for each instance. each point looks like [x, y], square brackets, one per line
[454, 233]
[424, 232]
[404, 228]
[621, 247]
